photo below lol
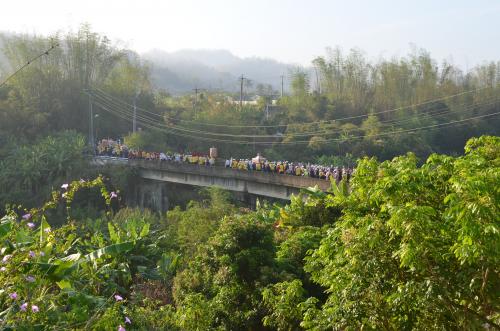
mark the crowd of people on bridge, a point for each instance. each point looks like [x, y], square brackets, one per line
[115, 148]
[290, 168]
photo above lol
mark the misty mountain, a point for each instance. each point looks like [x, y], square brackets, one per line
[183, 70]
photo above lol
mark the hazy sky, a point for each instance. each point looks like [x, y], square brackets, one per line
[466, 31]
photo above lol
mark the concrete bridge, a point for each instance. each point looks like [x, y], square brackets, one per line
[155, 177]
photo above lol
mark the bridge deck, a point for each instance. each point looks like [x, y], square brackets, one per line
[217, 171]
[253, 182]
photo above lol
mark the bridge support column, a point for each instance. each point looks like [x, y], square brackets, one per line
[152, 195]
[251, 200]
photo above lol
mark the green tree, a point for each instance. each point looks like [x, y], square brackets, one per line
[416, 247]
[228, 274]
[283, 300]
[31, 170]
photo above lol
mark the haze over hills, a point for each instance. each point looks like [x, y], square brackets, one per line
[183, 70]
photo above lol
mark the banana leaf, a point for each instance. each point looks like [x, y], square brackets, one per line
[112, 250]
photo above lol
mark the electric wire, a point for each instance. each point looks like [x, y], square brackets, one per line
[321, 132]
[297, 134]
[46, 52]
[153, 122]
[307, 123]
[459, 122]
[151, 126]
[439, 125]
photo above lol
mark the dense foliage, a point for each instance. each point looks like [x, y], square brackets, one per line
[49, 95]
[404, 247]
[416, 247]
[410, 244]
[28, 170]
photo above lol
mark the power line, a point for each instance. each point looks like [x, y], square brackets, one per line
[29, 62]
[151, 126]
[172, 127]
[294, 134]
[459, 122]
[306, 123]
[193, 131]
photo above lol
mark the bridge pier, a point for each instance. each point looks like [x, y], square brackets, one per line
[158, 196]
[249, 200]
[152, 195]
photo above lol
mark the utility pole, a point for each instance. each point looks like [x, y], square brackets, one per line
[254, 141]
[196, 90]
[195, 104]
[96, 137]
[91, 125]
[282, 85]
[242, 78]
[134, 118]
[318, 85]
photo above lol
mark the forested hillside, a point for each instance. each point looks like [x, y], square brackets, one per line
[48, 96]
[356, 107]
